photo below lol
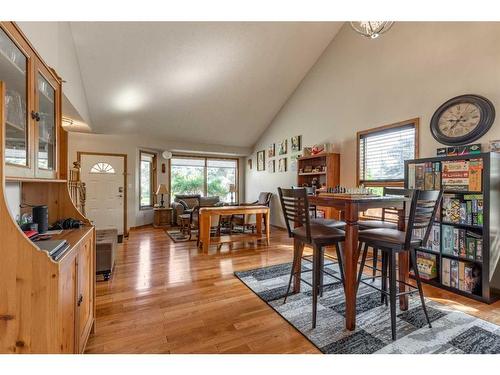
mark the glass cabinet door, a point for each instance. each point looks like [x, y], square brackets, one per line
[46, 122]
[14, 73]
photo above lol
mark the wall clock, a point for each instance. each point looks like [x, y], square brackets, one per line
[462, 119]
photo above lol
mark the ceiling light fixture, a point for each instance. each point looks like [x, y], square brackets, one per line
[371, 29]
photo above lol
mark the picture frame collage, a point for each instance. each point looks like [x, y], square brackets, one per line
[276, 155]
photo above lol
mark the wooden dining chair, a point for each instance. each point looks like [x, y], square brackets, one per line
[424, 205]
[295, 206]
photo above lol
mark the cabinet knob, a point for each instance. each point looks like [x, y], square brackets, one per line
[80, 300]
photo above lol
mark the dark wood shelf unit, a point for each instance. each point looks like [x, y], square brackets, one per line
[489, 265]
[329, 176]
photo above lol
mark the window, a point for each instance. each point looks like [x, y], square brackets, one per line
[102, 168]
[382, 152]
[381, 155]
[147, 179]
[203, 175]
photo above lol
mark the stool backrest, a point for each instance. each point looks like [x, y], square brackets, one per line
[423, 209]
[295, 208]
[393, 212]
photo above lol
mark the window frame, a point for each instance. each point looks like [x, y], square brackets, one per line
[205, 180]
[380, 129]
[152, 178]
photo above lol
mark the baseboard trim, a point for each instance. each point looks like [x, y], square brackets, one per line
[277, 227]
[140, 227]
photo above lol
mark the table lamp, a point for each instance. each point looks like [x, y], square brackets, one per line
[162, 189]
[232, 190]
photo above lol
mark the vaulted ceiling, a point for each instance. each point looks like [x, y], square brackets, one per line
[201, 82]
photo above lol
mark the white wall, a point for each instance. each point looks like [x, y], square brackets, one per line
[360, 83]
[13, 198]
[54, 42]
[131, 145]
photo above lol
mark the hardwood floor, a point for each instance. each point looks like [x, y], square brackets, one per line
[167, 297]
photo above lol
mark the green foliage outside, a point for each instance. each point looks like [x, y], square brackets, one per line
[190, 180]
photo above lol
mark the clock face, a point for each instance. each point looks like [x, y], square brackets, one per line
[462, 120]
[459, 120]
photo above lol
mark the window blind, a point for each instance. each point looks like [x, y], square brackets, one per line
[382, 153]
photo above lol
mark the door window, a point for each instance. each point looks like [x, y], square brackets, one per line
[101, 167]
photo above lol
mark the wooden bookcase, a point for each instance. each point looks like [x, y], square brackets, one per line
[328, 174]
[489, 231]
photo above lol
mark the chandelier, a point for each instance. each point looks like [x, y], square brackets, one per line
[371, 29]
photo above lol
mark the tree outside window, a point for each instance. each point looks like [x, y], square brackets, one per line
[203, 176]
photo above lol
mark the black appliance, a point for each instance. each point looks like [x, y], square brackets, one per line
[41, 217]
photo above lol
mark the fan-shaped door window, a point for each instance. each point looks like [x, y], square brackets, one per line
[102, 168]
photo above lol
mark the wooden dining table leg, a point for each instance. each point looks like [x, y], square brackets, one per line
[204, 231]
[350, 263]
[403, 265]
[258, 224]
[298, 249]
[268, 227]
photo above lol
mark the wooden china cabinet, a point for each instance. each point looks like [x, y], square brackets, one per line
[46, 305]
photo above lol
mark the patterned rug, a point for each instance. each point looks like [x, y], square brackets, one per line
[177, 236]
[452, 331]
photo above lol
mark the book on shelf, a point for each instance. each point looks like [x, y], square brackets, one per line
[461, 276]
[428, 176]
[475, 174]
[437, 175]
[445, 271]
[411, 176]
[420, 176]
[454, 273]
[434, 241]
[464, 276]
[447, 239]
[427, 265]
[452, 175]
[466, 210]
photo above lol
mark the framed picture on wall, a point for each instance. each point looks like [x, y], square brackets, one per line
[293, 162]
[283, 147]
[249, 163]
[271, 150]
[282, 165]
[271, 166]
[296, 143]
[261, 160]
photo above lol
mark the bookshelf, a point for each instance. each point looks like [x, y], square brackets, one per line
[465, 239]
[325, 168]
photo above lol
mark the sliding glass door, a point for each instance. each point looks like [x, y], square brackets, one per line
[203, 175]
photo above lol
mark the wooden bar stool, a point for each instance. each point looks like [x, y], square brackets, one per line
[295, 208]
[424, 205]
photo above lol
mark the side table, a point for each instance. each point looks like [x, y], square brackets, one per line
[162, 217]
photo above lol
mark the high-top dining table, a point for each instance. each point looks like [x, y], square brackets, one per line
[350, 207]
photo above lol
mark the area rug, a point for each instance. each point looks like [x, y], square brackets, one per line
[452, 332]
[177, 236]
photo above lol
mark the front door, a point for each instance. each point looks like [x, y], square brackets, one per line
[104, 177]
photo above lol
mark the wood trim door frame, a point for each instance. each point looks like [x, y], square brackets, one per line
[125, 175]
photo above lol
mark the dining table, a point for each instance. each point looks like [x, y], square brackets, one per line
[261, 214]
[350, 206]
